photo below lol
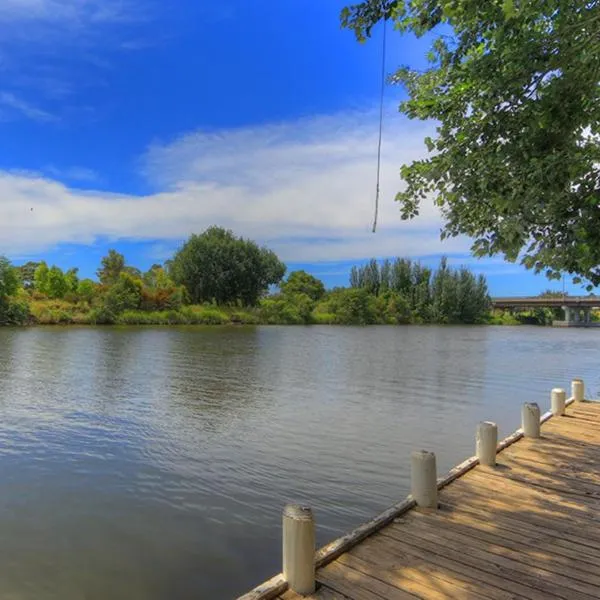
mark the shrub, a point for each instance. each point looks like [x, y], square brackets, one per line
[13, 312]
[204, 315]
[244, 318]
[102, 316]
[353, 306]
[323, 318]
[162, 298]
[278, 311]
[124, 295]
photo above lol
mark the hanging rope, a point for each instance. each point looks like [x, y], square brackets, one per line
[381, 99]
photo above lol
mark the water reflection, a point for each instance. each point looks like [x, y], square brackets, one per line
[153, 462]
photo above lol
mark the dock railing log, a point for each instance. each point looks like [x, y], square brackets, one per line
[301, 561]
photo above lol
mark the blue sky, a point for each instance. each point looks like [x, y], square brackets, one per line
[133, 123]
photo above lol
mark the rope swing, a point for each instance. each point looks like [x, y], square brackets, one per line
[381, 99]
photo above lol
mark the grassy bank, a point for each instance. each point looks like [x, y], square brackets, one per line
[60, 312]
[268, 312]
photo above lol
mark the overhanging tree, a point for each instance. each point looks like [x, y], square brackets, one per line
[514, 86]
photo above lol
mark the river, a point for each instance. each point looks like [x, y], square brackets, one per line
[146, 463]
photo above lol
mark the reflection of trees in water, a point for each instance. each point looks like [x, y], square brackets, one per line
[9, 363]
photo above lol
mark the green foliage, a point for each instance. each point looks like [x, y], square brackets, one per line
[86, 290]
[26, 274]
[352, 306]
[72, 279]
[324, 318]
[56, 284]
[9, 278]
[125, 294]
[218, 267]
[244, 318]
[103, 315]
[157, 278]
[160, 292]
[280, 311]
[408, 292]
[40, 278]
[301, 282]
[112, 265]
[514, 90]
[13, 312]
[503, 318]
[204, 315]
[393, 308]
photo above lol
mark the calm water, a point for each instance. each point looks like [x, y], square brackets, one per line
[153, 463]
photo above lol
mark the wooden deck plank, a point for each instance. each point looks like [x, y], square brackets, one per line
[478, 570]
[405, 578]
[556, 525]
[481, 524]
[560, 568]
[528, 529]
[358, 585]
[438, 567]
[486, 556]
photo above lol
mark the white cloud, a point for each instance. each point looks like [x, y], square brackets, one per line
[305, 188]
[82, 174]
[73, 11]
[17, 106]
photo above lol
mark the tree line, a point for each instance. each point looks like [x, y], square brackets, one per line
[217, 277]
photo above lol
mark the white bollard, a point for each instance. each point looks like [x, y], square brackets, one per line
[299, 549]
[558, 399]
[578, 390]
[424, 478]
[487, 443]
[531, 419]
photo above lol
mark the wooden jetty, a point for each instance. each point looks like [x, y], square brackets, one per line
[521, 519]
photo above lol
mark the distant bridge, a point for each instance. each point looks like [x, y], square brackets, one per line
[577, 308]
[554, 302]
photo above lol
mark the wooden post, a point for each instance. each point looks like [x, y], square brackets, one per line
[299, 549]
[531, 419]
[558, 399]
[578, 390]
[424, 478]
[486, 443]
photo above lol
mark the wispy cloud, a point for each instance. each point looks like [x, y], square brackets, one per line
[305, 188]
[69, 174]
[73, 11]
[18, 107]
[57, 47]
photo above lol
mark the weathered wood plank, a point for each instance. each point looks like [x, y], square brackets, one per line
[409, 580]
[528, 529]
[487, 522]
[559, 567]
[392, 552]
[513, 572]
[358, 585]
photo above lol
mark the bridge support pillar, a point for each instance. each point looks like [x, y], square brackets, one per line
[587, 316]
[568, 313]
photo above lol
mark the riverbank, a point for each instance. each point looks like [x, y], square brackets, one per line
[268, 312]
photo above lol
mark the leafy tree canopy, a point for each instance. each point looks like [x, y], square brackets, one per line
[111, 267]
[26, 273]
[9, 279]
[301, 282]
[218, 266]
[56, 284]
[514, 88]
[40, 278]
